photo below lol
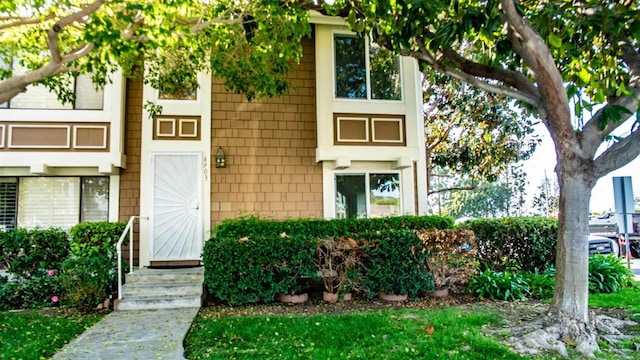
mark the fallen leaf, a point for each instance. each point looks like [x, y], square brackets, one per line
[429, 329]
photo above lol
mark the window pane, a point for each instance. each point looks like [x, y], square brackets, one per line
[385, 74]
[87, 97]
[351, 72]
[351, 200]
[95, 199]
[8, 203]
[48, 202]
[384, 195]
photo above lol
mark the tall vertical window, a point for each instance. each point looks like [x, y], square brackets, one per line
[364, 70]
[367, 195]
[31, 202]
[8, 197]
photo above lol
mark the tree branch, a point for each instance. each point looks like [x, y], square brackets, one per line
[17, 84]
[459, 188]
[591, 131]
[533, 50]
[618, 155]
[19, 21]
[428, 58]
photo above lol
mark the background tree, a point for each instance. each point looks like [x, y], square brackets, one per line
[502, 198]
[547, 199]
[472, 134]
[48, 42]
[550, 56]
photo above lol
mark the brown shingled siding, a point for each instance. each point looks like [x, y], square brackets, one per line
[130, 177]
[270, 148]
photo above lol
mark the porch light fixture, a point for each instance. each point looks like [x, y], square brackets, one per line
[221, 159]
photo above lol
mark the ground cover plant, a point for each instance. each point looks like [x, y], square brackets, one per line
[38, 334]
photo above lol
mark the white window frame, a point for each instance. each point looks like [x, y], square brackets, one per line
[367, 180]
[367, 41]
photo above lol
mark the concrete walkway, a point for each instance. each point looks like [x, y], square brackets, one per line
[133, 335]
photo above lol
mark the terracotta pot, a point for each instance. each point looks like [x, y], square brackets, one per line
[391, 297]
[441, 293]
[293, 299]
[334, 297]
[329, 297]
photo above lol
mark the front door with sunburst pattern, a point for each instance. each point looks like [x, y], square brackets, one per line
[176, 221]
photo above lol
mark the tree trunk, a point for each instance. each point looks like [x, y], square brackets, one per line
[572, 258]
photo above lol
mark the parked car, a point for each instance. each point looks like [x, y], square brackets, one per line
[603, 245]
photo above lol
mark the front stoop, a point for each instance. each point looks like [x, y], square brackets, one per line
[162, 289]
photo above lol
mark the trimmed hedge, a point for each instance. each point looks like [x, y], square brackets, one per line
[242, 271]
[252, 260]
[524, 243]
[316, 228]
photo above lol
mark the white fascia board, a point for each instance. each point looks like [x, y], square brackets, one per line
[62, 159]
[315, 17]
[367, 153]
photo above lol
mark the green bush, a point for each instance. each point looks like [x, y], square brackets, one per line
[25, 252]
[541, 284]
[525, 243]
[315, 229]
[607, 274]
[91, 265]
[395, 263]
[505, 285]
[33, 259]
[244, 271]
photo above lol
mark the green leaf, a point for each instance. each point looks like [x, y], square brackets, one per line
[555, 41]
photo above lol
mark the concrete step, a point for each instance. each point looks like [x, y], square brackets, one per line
[165, 276]
[167, 289]
[162, 289]
[158, 302]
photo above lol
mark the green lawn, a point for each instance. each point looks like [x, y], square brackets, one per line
[627, 298]
[36, 335]
[387, 334]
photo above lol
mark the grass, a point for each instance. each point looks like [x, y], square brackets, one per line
[35, 334]
[628, 298]
[448, 333]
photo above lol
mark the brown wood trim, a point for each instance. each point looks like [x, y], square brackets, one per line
[369, 118]
[175, 264]
[34, 136]
[182, 127]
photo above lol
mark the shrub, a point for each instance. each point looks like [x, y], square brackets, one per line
[25, 252]
[499, 285]
[33, 259]
[91, 265]
[541, 284]
[316, 229]
[452, 256]
[607, 274]
[247, 270]
[525, 243]
[395, 263]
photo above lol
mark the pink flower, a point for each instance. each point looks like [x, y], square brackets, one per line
[54, 299]
[50, 272]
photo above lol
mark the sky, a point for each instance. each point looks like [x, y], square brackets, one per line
[544, 158]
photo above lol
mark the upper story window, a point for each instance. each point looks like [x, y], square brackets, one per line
[39, 97]
[364, 70]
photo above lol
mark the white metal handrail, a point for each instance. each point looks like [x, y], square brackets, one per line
[128, 229]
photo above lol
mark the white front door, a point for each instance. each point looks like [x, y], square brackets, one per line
[176, 216]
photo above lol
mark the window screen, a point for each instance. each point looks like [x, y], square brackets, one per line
[8, 203]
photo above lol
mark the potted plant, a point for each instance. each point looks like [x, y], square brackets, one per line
[451, 258]
[337, 262]
[293, 263]
[395, 265]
